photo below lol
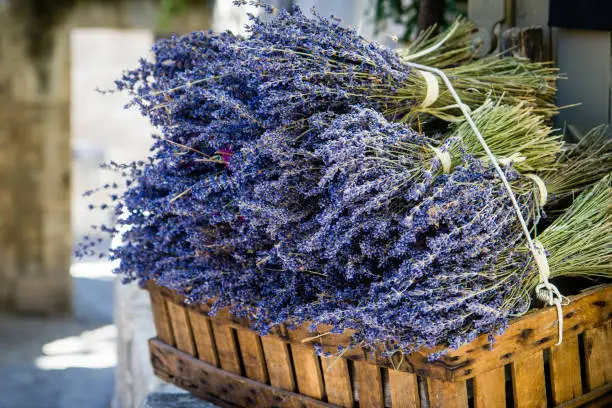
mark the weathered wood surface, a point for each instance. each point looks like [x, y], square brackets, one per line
[337, 381]
[404, 389]
[598, 398]
[278, 362]
[227, 348]
[183, 336]
[370, 385]
[161, 319]
[277, 357]
[525, 42]
[529, 382]
[252, 355]
[598, 356]
[203, 337]
[490, 389]
[445, 394]
[220, 386]
[565, 370]
[533, 332]
[307, 371]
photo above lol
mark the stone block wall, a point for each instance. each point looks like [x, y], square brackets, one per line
[35, 153]
[35, 243]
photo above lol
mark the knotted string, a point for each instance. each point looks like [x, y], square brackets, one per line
[545, 290]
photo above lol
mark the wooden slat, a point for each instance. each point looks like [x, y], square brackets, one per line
[227, 349]
[307, 371]
[445, 394]
[565, 370]
[370, 385]
[528, 381]
[203, 337]
[337, 381]
[278, 362]
[219, 386]
[490, 389]
[598, 356]
[404, 389]
[533, 332]
[181, 328]
[160, 317]
[598, 398]
[252, 356]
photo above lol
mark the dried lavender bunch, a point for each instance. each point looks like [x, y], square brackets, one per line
[511, 80]
[350, 204]
[269, 193]
[182, 227]
[580, 165]
[301, 66]
[514, 133]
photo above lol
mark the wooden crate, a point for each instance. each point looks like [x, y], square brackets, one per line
[221, 360]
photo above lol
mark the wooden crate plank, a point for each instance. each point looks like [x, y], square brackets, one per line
[337, 381]
[161, 317]
[404, 389]
[370, 385]
[252, 356]
[307, 371]
[533, 332]
[490, 389]
[278, 362]
[203, 337]
[446, 394]
[598, 358]
[528, 381]
[227, 348]
[181, 328]
[598, 398]
[565, 370]
[220, 386]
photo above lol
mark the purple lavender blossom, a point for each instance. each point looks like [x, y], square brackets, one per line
[282, 188]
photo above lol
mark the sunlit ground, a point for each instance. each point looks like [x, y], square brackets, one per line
[63, 362]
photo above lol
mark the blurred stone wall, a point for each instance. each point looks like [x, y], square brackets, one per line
[34, 171]
[35, 153]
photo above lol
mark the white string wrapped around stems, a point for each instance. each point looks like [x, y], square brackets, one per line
[545, 291]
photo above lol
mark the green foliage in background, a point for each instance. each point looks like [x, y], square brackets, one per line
[406, 13]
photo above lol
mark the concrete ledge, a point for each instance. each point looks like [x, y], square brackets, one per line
[134, 320]
[169, 396]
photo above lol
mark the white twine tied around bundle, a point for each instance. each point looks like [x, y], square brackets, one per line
[545, 291]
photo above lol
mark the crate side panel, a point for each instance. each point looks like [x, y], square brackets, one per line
[404, 389]
[565, 370]
[203, 337]
[252, 356]
[227, 348]
[278, 363]
[490, 389]
[181, 328]
[161, 317]
[337, 381]
[308, 371]
[598, 356]
[446, 394]
[528, 381]
[370, 385]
